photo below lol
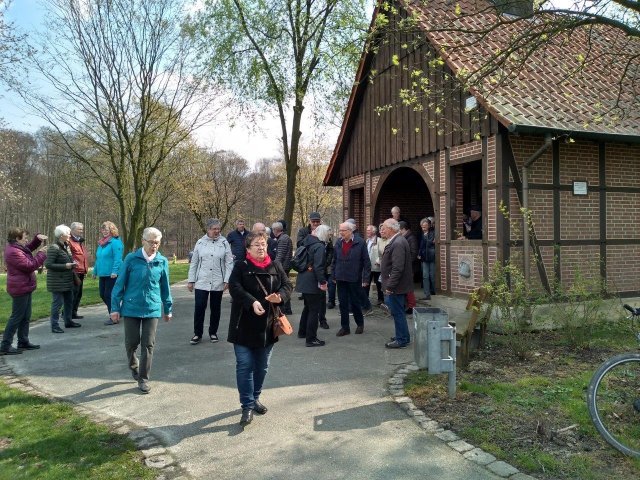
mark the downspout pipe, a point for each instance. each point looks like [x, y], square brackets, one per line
[548, 141]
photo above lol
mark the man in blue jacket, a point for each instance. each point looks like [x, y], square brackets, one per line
[351, 271]
[236, 239]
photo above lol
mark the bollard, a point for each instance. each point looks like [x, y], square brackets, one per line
[435, 344]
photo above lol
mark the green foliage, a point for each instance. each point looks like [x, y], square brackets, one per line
[577, 307]
[513, 302]
[48, 440]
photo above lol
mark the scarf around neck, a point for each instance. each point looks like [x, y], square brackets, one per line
[260, 264]
[104, 240]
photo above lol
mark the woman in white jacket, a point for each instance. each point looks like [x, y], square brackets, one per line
[209, 273]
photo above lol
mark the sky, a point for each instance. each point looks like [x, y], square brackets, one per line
[244, 138]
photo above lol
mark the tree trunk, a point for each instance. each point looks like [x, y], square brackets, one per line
[291, 163]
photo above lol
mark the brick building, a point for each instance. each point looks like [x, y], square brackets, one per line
[583, 181]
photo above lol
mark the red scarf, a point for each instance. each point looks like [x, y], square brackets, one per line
[260, 264]
[104, 240]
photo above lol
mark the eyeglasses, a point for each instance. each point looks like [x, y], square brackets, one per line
[259, 245]
[152, 242]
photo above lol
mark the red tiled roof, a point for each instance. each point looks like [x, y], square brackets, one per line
[550, 89]
[554, 87]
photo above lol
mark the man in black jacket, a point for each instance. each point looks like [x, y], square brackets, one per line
[314, 221]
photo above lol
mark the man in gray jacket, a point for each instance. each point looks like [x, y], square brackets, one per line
[396, 277]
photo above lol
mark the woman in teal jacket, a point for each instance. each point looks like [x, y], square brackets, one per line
[108, 261]
[139, 297]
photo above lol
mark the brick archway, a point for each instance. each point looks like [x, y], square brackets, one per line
[406, 188]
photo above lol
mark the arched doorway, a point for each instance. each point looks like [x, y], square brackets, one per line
[405, 188]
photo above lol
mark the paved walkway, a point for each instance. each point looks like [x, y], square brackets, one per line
[330, 416]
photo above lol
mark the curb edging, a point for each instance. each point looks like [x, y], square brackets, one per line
[470, 452]
[155, 454]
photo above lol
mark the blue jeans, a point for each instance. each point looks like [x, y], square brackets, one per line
[396, 304]
[350, 297]
[19, 320]
[428, 278]
[252, 365]
[58, 299]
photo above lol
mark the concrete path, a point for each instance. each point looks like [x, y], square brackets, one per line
[330, 416]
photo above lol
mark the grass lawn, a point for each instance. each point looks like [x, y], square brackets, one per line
[532, 413]
[48, 440]
[41, 299]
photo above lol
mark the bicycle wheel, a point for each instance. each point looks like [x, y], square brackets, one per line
[613, 401]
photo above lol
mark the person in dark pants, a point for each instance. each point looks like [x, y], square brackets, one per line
[141, 296]
[427, 256]
[351, 269]
[331, 291]
[251, 320]
[60, 265]
[79, 254]
[209, 273]
[396, 275]
[108, 261]
[284, 252]
[312, 283]
[21, 264]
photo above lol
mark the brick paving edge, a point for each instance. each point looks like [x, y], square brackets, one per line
[395, 386]
[155, 454]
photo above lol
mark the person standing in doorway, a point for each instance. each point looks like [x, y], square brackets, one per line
[209, 274]
[427, 256]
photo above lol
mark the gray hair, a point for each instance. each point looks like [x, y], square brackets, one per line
[424, 220]
[392, 224]
[268, 230]
[277, 226]
[61, 230]
[375, 229]
[75, 225]
[212, 222]
[396, 209]
[323, 232]
[352, 221]
[151, 232]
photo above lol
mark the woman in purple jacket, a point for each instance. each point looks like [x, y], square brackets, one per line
[21, 282]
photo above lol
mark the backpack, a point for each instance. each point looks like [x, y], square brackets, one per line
[300, 260]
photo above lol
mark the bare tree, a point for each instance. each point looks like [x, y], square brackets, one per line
[275, 55]
[213, 184]
[125, 96]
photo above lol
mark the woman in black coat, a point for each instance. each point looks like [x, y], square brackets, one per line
[312, 284]
[251, 322]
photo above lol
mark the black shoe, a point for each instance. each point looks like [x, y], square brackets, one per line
[331, 305]
[342, 332]
[195, 340]
[259, 408]
[135, 374]
[315, 343]
[144, 386]
[56, 330]
[324, 324]
[28, 346]
[359, 329]
[247, 417]
[10, 351]
[77, 317]
[72, 325]
[395, 344]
